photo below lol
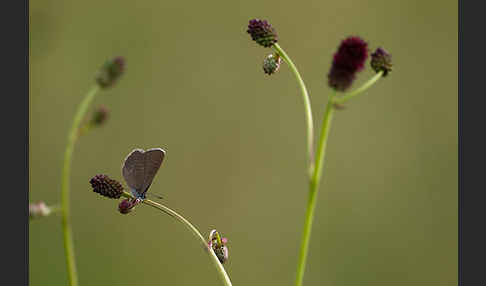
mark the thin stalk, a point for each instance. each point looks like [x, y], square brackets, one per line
[347, 96]
[219, 267]
[66, 222]
[313, 188]
[307, 105]
[55, 209]
[317, 174]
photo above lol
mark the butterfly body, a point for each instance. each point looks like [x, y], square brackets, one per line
[140, 168]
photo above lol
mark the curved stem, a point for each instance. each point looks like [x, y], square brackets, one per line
[313, 188]
[307, 105]
[221, 271]
[66, 223]
[347, 96]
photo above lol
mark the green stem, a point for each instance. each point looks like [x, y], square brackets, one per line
[347, 96]
[313, 188]
[66, 223]
[307, 105]
[55, 209]
[317, 175]
[221, 271]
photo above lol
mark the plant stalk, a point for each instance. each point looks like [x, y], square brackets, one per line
[66, 220]
[349, 95]
[307, 105]
[317, 174]
[313, 188]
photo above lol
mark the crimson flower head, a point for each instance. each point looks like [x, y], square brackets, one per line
[127, 205]
[262, 32]
[349, 59]
[106, 187]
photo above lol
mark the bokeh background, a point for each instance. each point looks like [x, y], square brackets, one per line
[235, 137]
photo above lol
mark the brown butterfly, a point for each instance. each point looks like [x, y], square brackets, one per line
[139, 169]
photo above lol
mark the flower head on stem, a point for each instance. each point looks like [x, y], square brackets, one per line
[271, 63]
[347, 61]
[110, 72]
[381, 60]
[262, 32]
[103, 185]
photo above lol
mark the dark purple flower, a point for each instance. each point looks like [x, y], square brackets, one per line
[381, 61]
[127, 205]
[348, 60]
[110, 72]
[107, 187]
[262, 32]
[271, 64]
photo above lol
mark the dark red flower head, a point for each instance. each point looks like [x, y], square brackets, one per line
[107, 187]
[127, 205]
[349, 59]
[262, 32]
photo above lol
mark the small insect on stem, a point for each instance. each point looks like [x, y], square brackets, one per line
[218, 245]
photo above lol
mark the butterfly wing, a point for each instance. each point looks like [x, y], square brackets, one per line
[153, 160]
[133, 169]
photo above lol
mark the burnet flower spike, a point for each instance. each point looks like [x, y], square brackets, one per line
[348, 60]
[262, 32]
[103, 185]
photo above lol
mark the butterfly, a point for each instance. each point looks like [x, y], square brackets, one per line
[140, 168]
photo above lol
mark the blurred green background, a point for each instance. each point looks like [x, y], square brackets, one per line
[235, 138]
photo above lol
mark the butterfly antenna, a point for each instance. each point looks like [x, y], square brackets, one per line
[156, 196]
